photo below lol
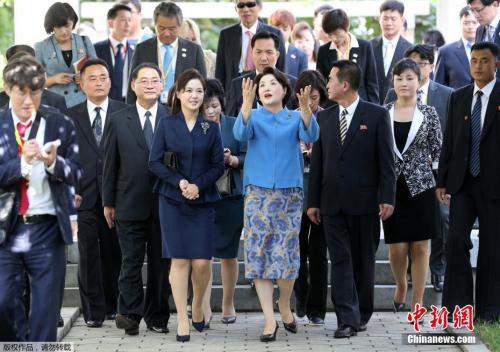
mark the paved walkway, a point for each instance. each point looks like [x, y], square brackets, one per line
[384, 334]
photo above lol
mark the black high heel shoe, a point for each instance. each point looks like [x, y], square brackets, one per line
[292, 327]
[199, 325]
[269, 337]
[183, 338]
[397, 307]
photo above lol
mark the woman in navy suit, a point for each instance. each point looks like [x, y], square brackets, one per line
[417, 145]
[188, 194]
[61, 50]
[229, 210]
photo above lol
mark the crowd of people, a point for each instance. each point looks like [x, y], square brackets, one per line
[301, 140]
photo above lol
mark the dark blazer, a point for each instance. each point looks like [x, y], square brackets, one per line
[452, 66]
[103, 51]
[423, 142]
[189, 55]
[48, 98]
[480, 33]
[91, 154]
[237, 149]
[360, 174]
[384, 81]
[229, 52]
[454, 161]
[234, 96]
[438, 97]
[127, 183]
[296, 61]
[66, 171]
[200, 158]
[363, 56]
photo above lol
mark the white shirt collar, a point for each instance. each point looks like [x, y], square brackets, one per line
[351, 108]
[252, 29]
[487, 89]
[354, 42]
[160, 44]
[425, 87]
[142, 111]
[394, 42]
[104, 106]
[16, 119]
[115, 42]
[465, 42]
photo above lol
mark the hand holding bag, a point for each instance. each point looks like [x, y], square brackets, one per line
[225, 184]
[170, 160]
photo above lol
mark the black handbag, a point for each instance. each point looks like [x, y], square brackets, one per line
[7, 201]
[170, 160]
[225, 184]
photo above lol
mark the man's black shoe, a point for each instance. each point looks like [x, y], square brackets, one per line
[437, 282]
[111, 316]
[130, 325]
[344, 331]
[93, 323]
[362, 327]
[60, 322]
[316, 321]
[300, 308]
[159, 329]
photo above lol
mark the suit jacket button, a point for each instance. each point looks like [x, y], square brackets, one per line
[65, 92]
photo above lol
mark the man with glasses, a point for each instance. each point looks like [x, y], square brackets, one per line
[100, 256]
[172, 54]
[436, 95]
[452, 66]
[234, 51]
[137, 33]
[131, 206]
[488, 16]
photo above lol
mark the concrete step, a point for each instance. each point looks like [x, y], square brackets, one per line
[246, 297]
[383, 274]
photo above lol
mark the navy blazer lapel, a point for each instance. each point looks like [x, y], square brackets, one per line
[134, 125]
[467, 115]
[353, 126]
[492, 109]
[182, 56]
[462, 55]
[84, 122]
[332, 56]
[379, 59]
[398, 52]
[8, 134]
[50, 128]
[107, 56]
[130, 53]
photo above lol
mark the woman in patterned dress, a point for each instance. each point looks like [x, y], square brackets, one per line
[273, 182]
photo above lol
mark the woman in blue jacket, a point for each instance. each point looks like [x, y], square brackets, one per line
[273, 182]
[188, 194]
[61, 50]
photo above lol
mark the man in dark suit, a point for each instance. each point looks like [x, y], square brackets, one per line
[452, 66]
[436, 95]
[265, 54]
[352, 184]
[116, 51]
[391, 46]
[129, 202]
[100, 256]
[48, 98]
[488, 16]
[234, 56]
[175, 54]
[39, 164]
[469, 171]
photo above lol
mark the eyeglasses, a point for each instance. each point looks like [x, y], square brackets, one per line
[477, 10]
[423, 63]
[147, 82]
[250, 4]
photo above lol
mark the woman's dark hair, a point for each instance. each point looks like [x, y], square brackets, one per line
[180, 85]
[58, 15]
[24, 72]
[280, 77]
[434, 37]
[335, 19]
[214, 89]
[314, 79]
[296, 34]
[406, 64]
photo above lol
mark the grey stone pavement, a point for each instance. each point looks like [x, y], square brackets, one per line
[384, 334]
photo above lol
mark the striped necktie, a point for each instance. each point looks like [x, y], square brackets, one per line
[475, 134]
[343, 125]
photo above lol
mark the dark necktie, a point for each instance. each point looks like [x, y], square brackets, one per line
[343, 125]
[24, 205]
[475, 134]
[148, 130]
[97, 125]
[117, 84]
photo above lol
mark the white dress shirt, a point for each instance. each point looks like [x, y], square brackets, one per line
[425, 92]
[39, 195]
[142, 114]
[113, 49]
[244, 43]
[467, 50]
[162, 50]
[487, 89]
[351, 109]
[388, 50]
[92, 113]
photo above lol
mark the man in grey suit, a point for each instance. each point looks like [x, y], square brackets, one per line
[171, 53]
[438, 96]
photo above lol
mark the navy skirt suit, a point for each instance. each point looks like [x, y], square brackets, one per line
[187, 226]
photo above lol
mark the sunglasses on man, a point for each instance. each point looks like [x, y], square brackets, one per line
[249, 4]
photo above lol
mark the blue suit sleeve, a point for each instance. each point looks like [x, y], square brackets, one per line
[241, 131]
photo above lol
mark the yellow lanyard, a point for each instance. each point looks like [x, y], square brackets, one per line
[164, 74]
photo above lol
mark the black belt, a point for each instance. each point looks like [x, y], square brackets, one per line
[37, 219]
